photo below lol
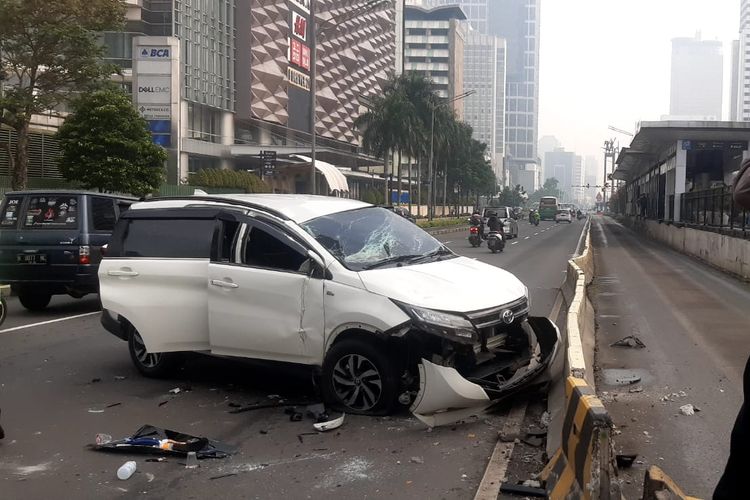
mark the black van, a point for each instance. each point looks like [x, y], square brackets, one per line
[50, 242]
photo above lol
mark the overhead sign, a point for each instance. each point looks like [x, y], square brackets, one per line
[299, 26]
[302, 4]
[298, 79]
[153, 52]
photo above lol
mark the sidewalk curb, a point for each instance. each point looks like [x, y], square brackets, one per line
[438, 231]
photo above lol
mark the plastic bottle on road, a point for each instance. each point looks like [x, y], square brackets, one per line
[126, 470]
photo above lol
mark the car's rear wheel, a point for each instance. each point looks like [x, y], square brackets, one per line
[34, 300]
[359, 378]
[151, 364]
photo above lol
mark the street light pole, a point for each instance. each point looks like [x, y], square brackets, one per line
[313, 90]
[430, 168]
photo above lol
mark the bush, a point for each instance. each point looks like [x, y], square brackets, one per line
[228, 179]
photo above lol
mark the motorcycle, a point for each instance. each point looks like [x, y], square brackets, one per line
[534, 218]
[474, 237]
[495, 241]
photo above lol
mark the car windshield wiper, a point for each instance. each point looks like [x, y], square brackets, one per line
[392, 260]
[443, 250]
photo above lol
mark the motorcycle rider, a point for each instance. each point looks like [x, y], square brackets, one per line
[476, 221]
[495, 224]
[533, 216]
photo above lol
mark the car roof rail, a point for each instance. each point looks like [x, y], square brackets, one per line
[227, 201]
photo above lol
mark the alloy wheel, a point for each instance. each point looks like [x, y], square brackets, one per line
[357, 382]
[145, 358]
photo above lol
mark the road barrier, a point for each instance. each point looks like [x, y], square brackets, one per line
[584, 465]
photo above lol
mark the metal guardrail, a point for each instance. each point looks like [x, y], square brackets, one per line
[714, 208]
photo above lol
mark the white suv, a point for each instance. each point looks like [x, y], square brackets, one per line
[356, 291]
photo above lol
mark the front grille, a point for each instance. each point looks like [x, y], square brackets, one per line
[490, 317]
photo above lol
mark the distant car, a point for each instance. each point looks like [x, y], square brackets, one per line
[51, 242]
[402, 212]
[506, 216]
[564, 216]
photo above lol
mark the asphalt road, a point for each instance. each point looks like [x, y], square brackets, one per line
[693, 321]
[61, 384]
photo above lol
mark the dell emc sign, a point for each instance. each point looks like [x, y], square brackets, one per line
[155, 53]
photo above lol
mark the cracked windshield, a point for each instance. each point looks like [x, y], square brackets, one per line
[440, 249]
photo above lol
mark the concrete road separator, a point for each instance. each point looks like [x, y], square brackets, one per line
[584, 465]
[658, 485]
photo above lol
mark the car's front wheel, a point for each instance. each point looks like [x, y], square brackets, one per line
[359, 378]
[34, 300]
[151, 364]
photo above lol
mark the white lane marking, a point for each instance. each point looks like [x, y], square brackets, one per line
[495, 474]
[536, 234]
[555, 313]
[34, 325]
[447, 242]
[515, 243]
[526, 238]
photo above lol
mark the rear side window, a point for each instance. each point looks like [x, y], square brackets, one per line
[168, 238]
[11, 210]
[52, 212]
[103, 216]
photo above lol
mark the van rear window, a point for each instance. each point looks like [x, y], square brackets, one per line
[11, 210]
[52, 211]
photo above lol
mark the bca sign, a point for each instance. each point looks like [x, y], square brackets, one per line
[153, 53]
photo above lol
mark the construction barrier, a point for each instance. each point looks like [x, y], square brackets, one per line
[584, 466]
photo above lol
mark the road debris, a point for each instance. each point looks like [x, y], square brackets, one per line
[126, 470]
[95, 380]
[625, 461]
[629, 341]
[634, 379]
[417, 460]
[120, 377]
[330, 425]
[544, 420]
[687, 410]
[112, 405]
[192, 460]
[150, 440]
[532, 483]
[635, 390]
[176, 390]
[521, 490]
[223, 476]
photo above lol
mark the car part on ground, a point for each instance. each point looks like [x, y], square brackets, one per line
[446, 395]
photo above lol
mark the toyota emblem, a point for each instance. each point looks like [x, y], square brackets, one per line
[508, 316]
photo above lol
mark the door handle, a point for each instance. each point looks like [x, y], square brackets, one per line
[122, 272]
[224, 284]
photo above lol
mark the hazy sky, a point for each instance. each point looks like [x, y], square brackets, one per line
[607, 62]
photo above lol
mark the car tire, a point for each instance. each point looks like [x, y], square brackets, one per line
[34, 301]
[344, 385]
[154, 365]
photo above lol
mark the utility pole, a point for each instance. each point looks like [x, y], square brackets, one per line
[610, 151]
[313, 90]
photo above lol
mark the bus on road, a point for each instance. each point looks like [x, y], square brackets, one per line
[548, 208]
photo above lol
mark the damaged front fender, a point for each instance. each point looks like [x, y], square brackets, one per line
[446, 396]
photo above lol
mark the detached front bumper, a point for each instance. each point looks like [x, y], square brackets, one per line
[446, 396]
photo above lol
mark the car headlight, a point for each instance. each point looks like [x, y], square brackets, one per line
[441, 323]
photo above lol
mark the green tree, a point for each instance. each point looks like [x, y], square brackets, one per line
[106, 145]
[48, 51]
[548, 189]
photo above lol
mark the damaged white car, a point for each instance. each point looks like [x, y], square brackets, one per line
[387, 314]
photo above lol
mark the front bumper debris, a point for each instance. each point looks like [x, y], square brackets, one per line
[446, 396]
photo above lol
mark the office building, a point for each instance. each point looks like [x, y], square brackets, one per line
[434, 39]
[517, 21]
[481, 58]
[562, 165]
[547, 144]
[482, 53]
[743, 77]
[696, 79]
[476, 11]
[210, 110]
[734, 99]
